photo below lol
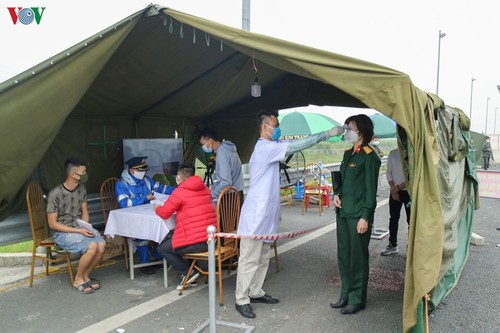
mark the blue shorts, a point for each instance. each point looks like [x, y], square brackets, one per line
[75, 243]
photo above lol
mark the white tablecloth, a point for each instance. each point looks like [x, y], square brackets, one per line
[139, 222]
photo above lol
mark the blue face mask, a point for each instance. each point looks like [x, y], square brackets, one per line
[206, 149]
[276, 133]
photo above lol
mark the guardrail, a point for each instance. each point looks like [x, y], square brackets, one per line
[329, 166]
[16, 228]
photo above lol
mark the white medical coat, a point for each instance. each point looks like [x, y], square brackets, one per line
[261, 209]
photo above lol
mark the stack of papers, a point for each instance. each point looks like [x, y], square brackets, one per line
[85, 225]
[160, 198]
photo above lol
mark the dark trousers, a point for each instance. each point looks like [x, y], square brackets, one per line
[486, 162]
[353, 256]
[395, 213]
[176, 257]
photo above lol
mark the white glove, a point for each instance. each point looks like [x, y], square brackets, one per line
[336, 131]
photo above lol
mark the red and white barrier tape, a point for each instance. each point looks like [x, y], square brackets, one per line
[273, 237]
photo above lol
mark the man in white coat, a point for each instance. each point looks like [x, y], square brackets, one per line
[261, 210]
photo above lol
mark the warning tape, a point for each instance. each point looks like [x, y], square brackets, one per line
[273, 237]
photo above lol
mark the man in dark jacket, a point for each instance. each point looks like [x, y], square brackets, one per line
[195, 212]
[486, 153]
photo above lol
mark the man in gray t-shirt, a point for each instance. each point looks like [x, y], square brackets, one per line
[67, 202]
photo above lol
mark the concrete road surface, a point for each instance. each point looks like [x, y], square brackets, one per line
[306, 283]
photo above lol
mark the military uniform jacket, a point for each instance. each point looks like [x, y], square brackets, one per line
[358, 190]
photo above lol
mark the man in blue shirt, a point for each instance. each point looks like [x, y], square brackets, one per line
[134, 189]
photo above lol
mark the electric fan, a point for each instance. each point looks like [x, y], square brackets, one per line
[292, 169]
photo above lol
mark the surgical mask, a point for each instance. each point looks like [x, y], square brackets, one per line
[206, 149]
[83, 178]
[276, 133]
[139, 174]
[375, 143]
[351, 136]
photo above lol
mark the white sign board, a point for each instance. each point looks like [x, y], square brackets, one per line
[163, 155]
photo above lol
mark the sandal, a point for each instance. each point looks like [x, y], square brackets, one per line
[84, 288]
[94, 283]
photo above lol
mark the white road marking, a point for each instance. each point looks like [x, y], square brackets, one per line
[125, 317]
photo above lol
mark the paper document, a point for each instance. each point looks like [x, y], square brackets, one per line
[160, 197]
[157, 202]
[85, 225]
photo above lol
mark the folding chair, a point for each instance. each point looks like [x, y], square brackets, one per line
[108, 202]
[228, 215]
[312, 187]
[40, 232]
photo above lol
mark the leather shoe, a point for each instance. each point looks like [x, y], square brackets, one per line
[245, 310]
[339, 305]
[266, 299]
[148, 270]
[351, 309]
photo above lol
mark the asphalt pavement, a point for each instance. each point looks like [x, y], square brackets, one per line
[306, 283]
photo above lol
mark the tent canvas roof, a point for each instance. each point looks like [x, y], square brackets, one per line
[160, 71]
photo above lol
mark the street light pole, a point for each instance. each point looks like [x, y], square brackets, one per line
[495, 126]
[486, 123]
[471, 89]
[245, 22]
[441, 35]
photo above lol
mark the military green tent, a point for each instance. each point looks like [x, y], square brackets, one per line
[160, 71]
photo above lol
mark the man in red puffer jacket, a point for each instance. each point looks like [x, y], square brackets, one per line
[192, 201]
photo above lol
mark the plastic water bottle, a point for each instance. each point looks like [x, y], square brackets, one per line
[299, 190]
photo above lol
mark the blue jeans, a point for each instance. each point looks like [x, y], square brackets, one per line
[75, 243]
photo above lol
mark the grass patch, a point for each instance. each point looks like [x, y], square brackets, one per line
[18, 247]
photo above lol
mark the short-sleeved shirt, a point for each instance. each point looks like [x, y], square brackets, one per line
[67, 204]
[261, 210]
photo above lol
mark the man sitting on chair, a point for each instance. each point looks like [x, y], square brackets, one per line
[133, 189]
[195, 212]
[68, 202]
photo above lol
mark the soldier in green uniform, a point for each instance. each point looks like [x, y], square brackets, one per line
[355, 202]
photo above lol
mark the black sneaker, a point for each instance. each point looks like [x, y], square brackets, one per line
[148, 270]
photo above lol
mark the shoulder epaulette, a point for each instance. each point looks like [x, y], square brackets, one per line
[367, 150]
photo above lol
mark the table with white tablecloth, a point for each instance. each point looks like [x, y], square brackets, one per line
[139, 222]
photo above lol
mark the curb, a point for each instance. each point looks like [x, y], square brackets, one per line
[17, 259]
[24, 259]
